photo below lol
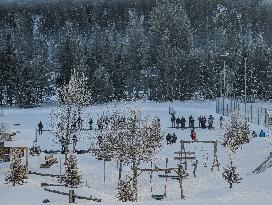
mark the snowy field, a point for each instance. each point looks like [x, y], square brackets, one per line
[207, 188]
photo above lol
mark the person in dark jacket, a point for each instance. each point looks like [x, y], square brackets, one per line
[174, 138]
[182, 122]
[74, 141]
[40, 126]
[168, 138]
[254, 134]
[203, 125]
[177, 122]
[191, 122]
[173, 120]
[210, 122]
[262, 134]
[199, 121]
[221, 119]
[91, 123]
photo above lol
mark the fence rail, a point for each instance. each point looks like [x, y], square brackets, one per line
[254, 112]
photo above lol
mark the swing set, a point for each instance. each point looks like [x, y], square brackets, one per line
[180, 175]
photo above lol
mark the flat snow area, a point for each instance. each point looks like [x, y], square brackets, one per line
[207, 188]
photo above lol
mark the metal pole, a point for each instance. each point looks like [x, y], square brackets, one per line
[60, 171]
[104, 171]
[224, 77]
[245, 84]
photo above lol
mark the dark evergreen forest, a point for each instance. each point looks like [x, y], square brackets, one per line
[165, 49]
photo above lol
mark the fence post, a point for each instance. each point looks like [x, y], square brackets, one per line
[223, 106]
[231, 104]
[227, 109]
[217, 105]
[251, 109]
[258, 116]
[265, 117]
[72, 196]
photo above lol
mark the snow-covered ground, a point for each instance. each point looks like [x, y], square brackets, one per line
[208, 188]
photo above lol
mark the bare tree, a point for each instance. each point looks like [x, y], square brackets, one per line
[236, 134]
[129, 140]
[66, 119]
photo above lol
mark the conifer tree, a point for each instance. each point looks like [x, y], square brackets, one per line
[18, 172]
[230, 175]
[72, 176]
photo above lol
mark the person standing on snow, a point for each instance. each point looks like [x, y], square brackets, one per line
[173, 120]
[254, 134]
[210, 122]
[193, 135]
[74, 141]
[191, 122]
[40, 126]
[177, 122]
[262, 134]
[199, 121]
[221, 121]
[91, 123]
[182, 122]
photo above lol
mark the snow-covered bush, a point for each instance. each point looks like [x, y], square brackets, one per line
[230, 175]
[72, 176]
[18, 171]
[237, 132]
[125, 190]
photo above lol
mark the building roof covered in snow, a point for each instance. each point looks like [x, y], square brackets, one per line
[23, 138]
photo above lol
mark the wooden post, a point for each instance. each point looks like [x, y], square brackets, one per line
[227, 109]
[60, 171]
[165, 185]
[72, 196]
[180, 172]
[26, 149]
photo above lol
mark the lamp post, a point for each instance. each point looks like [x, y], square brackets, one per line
[224, 75]
[245, 85]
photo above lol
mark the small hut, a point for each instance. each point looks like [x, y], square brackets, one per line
[19, 142]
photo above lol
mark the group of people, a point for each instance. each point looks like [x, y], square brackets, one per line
[171, 138]
[202, 122]
[180, 122]
[262, 134]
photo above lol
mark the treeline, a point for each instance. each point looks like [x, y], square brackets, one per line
[164, 49]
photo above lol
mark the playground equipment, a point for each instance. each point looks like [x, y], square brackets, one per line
[180, 171]
[183, 155]
[265, 165]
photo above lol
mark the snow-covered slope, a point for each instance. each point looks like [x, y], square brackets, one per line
[208, 188]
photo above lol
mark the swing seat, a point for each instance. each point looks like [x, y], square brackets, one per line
[158, 196]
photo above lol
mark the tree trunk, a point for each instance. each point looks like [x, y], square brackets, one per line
[134, 178]
[120, 171]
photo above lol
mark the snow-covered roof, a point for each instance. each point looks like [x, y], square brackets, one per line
[23, 138]
[18, 143]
